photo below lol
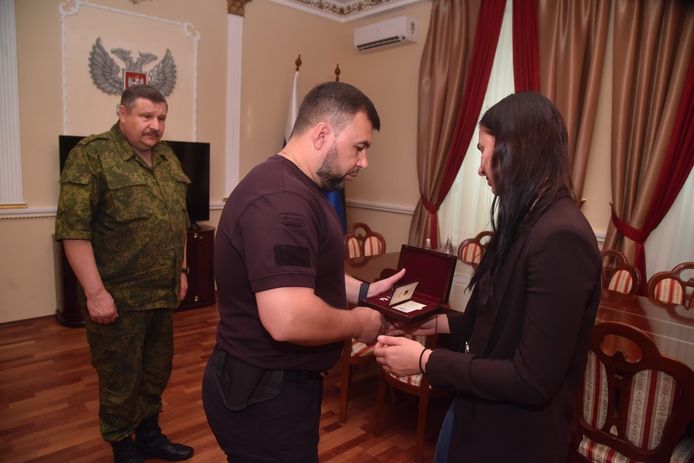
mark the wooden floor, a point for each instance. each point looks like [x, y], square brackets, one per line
[48, 400]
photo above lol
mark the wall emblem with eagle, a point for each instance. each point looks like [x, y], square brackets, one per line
[112, 79]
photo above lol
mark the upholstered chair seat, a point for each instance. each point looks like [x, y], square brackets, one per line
[634, 404]
[675, 286]
[618, 274]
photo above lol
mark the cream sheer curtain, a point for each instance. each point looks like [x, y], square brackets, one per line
[672, 242]
[465, 211]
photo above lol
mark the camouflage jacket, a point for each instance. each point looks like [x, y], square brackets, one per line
[134, 215]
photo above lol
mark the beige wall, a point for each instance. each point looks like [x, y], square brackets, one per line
[388, 76]
[273, 35]
[391, 77]
[27, 277]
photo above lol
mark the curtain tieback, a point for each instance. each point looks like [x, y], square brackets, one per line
[432, 209]
[634, 234]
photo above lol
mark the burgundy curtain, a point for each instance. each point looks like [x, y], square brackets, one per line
[678, 163]
[526, 49]
[443, 70]
[651, 117]
[486, 37]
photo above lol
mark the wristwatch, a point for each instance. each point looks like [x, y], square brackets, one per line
[185, 270]
[363, 292]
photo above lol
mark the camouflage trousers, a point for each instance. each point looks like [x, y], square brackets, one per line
[132, 358]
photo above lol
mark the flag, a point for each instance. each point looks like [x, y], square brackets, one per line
[293, 109]
[335, 198]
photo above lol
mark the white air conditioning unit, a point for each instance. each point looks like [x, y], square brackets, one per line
[391, 31]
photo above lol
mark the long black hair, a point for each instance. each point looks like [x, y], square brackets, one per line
[530, 170]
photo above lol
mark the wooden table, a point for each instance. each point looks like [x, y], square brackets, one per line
[670, 326]
[369, 268]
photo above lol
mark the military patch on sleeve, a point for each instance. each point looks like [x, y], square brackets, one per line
[288, 255]
[291, 220]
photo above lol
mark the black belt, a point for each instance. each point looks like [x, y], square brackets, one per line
[221, 357]
[242, 384]
[300, 376]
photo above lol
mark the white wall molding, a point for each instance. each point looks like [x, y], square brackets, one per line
[381, 207]
[28, 213]
[397, 209]
[233, 103]
[72, 7]
[49, 212]
[342, 11]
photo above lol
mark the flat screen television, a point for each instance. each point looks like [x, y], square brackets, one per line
[195, 160]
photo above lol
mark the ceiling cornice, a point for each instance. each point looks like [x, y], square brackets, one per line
[344, 10]
[236, 7]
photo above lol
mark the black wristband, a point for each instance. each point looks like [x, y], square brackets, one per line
[363, 292]
[421, 356]
[184, 270]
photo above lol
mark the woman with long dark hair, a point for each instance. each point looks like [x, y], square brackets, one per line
[519, 349]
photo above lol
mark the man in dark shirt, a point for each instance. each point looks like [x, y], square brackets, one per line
[122, 218]
[279, 266]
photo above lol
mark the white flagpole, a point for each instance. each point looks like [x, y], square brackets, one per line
[293, 108]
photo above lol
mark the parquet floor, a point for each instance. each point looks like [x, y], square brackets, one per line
[48, 401]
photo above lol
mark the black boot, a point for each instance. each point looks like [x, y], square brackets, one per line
[124, 451]
[153, 444]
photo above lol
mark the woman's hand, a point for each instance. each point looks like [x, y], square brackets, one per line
[399, 355]
[428, 327]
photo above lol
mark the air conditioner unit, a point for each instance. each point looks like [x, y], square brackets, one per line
[391, 31]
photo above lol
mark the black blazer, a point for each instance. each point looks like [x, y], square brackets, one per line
[516, 387]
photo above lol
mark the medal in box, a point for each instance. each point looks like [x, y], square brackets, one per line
[424, 289]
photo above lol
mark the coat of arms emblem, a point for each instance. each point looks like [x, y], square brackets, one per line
[112, 79]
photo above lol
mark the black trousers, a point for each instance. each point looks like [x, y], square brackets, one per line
[280, 430]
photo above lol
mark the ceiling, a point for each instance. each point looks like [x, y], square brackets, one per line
[344, 10]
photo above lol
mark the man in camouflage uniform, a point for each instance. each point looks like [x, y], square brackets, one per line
[122, 219]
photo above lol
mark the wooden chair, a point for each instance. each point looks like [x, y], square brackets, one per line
[354, 354]
[634, 404]
[353, 247]
[673, 287]
[417, 385]
[470, 251]
[618, 274]
[371, 243]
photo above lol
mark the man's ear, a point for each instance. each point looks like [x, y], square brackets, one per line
[121, 111]
[321, 133]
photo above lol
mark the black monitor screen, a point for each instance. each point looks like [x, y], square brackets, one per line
[195, 160]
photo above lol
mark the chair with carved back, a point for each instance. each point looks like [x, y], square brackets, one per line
[618, 274]
[353, 247]
[371, 242]
[633, 404]
[470, 251]
[675, 286]
[354, 354]
[416, 385]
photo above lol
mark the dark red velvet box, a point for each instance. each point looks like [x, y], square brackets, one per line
[433, 270]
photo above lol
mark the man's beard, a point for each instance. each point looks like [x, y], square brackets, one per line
[328, 173]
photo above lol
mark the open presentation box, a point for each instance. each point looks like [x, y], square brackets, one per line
[424, 289]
